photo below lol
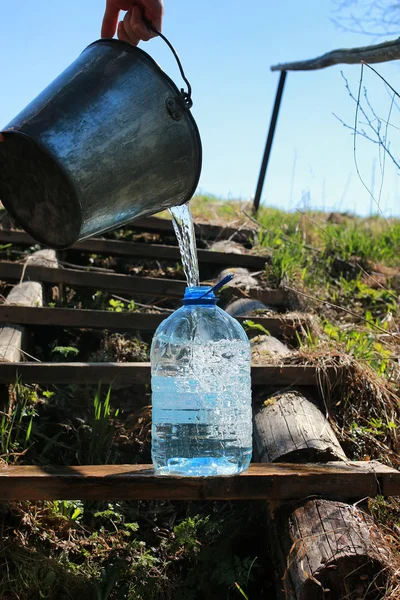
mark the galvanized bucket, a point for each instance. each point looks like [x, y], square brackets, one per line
[110, 140]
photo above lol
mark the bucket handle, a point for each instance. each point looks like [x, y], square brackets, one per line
[186, 96]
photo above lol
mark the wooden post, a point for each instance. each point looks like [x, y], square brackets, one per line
[29, 293]
[270, 139]
[317, 545]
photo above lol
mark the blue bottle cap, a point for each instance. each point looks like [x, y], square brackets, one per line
[200, 295]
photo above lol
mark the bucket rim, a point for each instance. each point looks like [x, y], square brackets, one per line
[9, 206]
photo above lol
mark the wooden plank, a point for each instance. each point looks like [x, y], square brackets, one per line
[203, 230]
[109, 282]
[82, 318]
[138, 482]
[123, 284]
[140, 250]
[388, 484]
[139, 373]
[124, 321]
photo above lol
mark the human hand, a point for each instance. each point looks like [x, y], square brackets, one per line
[133, 28]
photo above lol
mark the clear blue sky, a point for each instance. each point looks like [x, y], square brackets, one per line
[227, 49]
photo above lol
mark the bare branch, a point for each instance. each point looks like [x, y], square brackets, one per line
[376, 129]
[384, 52]
[369, 17]
[381, 77]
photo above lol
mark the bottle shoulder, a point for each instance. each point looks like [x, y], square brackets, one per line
[200, 323]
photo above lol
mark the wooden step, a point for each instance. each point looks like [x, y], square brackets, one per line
[273, 481]
[122, 284]
[203, 230]
[150, 251]
[108, 282]
[139, 373]
[126, 321]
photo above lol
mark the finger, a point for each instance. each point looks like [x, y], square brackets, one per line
[122, 35]
[138, 25]
[1, 138]
[110, 20]
[133, 38]
[153, 12]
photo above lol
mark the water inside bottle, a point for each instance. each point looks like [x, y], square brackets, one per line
[200, 418]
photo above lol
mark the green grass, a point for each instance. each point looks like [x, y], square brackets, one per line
[112, 551]
[101, 448]
[16, 422]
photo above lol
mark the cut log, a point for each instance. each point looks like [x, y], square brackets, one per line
[241, 277]
[29, 293]
[332, 551]
[43, 258]
[265, 347]
[11, 343]
[290, 428]
[227, 246]
[303, 325]
[244, 285]
[244, 306]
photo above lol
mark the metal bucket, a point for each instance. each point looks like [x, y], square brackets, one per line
[110, 140]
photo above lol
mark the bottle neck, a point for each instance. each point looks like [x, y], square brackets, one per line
[201, 295]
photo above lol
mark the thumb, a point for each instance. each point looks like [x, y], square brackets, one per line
[110, 20]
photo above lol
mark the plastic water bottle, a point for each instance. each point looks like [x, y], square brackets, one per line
[202, 414]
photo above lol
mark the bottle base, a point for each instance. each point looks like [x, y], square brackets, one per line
[203, 466]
